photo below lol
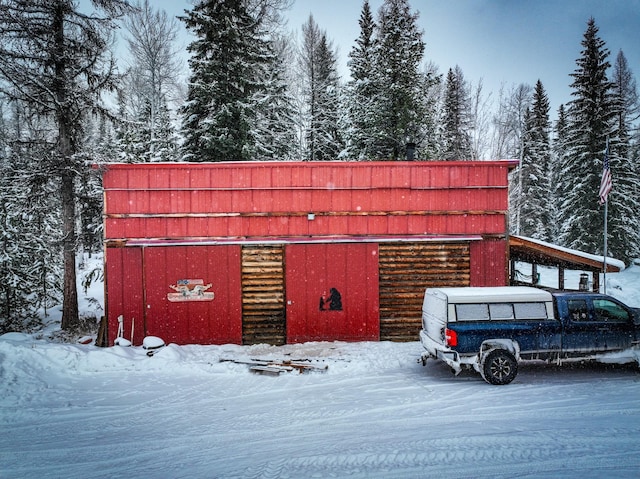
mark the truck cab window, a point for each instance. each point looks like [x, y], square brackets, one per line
[606, 310]
[578, 310]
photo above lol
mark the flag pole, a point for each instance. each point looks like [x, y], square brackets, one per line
[604, 262]
[606, 179]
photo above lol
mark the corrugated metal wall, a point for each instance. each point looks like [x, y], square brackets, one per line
[406, 270]
[332, 292]
[124, 292]
[175, 312]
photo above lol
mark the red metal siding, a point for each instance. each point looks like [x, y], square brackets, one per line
[252, 200]
[139, 288]
[489, 263]
[184, 319]
[124, 292]
[312, 272]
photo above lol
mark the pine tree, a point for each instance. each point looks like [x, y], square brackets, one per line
[274, 130]
[456, 140]
[428, 144]
[591, 120]
[166, 138]
[56, 60]
[128, 133]
[328, 144]
[229, 58]
[275, 126]
[559, 158]
[399, 51]
[30, 233]
[321, 94]
[536, 169]
[216, 118]
[362, 91]
[624, 206]
[90, 207]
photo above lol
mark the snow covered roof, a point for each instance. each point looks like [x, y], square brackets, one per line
[543, 253]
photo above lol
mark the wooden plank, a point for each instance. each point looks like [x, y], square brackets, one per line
[282, 365]
[269, 370]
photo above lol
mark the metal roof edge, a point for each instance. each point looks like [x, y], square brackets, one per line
[562, 254]
[149, 242]
[511, 163]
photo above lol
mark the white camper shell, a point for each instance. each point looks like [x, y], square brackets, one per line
[442, 306]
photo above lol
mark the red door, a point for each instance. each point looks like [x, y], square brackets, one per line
[193, 294]
[332, 292]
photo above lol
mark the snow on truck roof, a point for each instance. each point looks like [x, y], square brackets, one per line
[491, 294]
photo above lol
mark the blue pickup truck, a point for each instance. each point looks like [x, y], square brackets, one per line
[490, 329]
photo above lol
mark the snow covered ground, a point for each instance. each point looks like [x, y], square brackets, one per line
[78, 411]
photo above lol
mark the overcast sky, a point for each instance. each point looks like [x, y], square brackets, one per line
[502, 42]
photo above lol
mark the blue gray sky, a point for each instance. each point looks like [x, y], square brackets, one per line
[502, 42]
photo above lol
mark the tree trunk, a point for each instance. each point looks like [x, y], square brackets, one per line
[70, 316]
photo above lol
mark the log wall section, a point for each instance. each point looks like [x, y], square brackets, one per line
[263, 293]
[406, 270]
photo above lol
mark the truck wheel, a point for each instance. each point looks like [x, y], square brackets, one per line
[499, 367]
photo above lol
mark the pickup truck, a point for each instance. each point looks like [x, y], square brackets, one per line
[490, 329]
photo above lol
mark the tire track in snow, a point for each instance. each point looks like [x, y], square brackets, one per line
[458, 457]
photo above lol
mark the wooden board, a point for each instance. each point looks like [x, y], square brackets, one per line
[278, 365]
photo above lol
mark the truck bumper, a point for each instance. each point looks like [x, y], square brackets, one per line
[439, 351]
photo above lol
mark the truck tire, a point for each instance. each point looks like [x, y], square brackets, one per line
[499, 367]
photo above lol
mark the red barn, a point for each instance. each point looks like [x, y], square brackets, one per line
[251, 252]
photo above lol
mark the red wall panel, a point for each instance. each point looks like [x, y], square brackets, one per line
[313, 271]
[124, 292]
[191, 319]
[130, 280]
[271, 198]
[488, 262]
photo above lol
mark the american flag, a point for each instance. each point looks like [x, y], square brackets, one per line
[605, 181]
